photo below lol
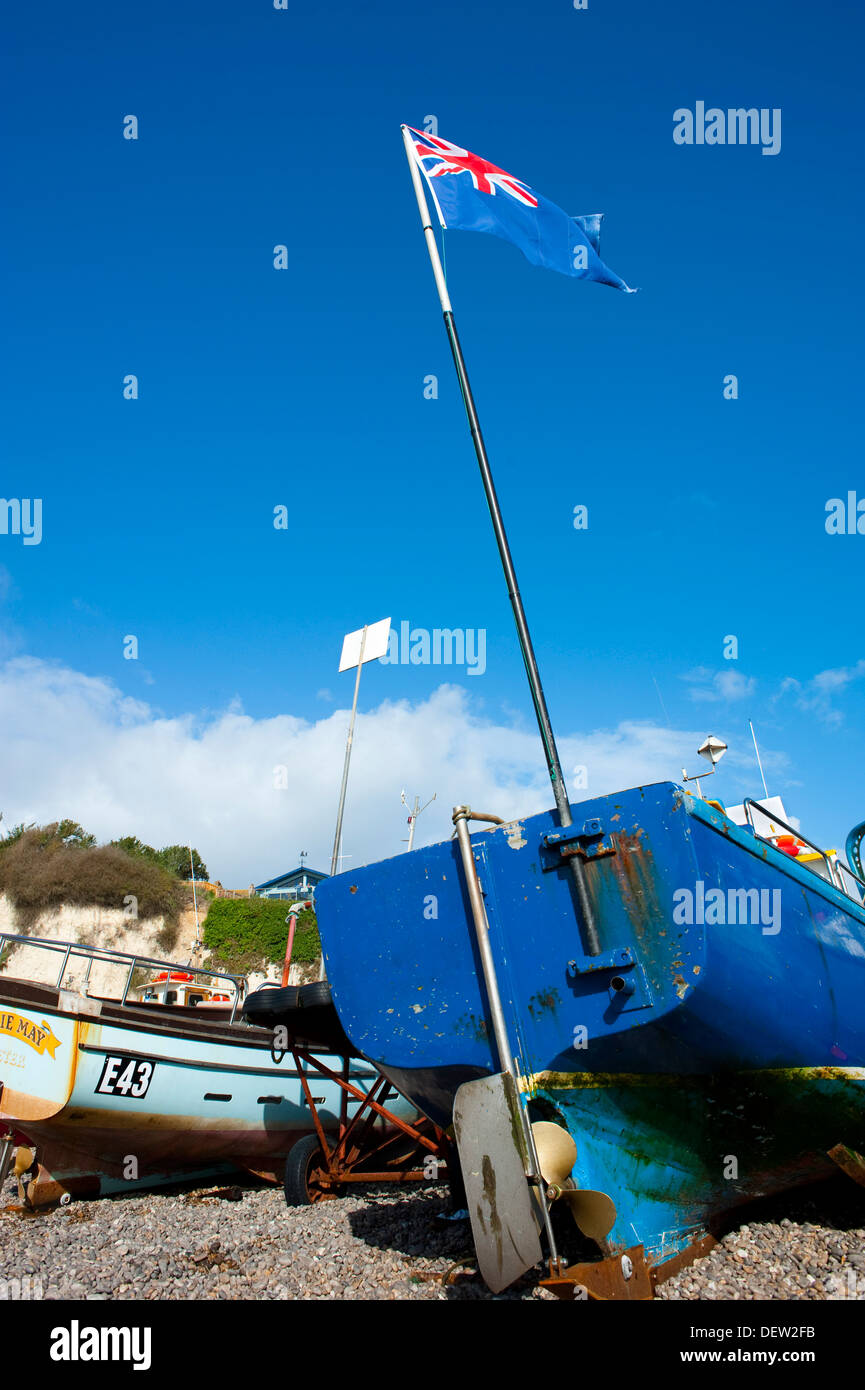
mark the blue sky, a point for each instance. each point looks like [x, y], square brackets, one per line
[304, 387]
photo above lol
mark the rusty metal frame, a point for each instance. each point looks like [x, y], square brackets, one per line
[605, 1280]
[343, 1159]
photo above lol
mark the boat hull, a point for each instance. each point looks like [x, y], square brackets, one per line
[104, 1090]
[713, 1052]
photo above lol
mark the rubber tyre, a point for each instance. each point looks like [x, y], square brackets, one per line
[314, 996]
[301, 1162]
[266, 1004]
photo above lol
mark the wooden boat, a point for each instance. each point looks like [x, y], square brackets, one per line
[140, 1068]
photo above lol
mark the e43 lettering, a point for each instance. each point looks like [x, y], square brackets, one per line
[125, 1076]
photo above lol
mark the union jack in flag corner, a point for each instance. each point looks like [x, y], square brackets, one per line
[472, 195]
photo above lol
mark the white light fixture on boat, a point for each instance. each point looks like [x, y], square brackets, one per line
[713, 751]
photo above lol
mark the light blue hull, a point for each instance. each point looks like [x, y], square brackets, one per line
[115, 1097]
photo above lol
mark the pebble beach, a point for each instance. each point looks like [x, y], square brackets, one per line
[243, 1242]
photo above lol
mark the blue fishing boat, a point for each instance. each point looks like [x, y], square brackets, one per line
[642, 1009]
[712, 1051]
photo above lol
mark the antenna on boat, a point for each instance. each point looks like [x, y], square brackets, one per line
[759, 764]
[554, 767]
[413, 815]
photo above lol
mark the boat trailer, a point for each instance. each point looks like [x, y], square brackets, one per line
[321, 1165]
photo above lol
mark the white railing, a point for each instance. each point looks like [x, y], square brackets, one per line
[74, 950]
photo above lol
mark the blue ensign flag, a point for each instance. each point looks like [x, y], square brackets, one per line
[472, 195]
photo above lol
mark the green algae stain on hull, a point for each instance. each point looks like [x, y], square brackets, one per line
[695, 1146]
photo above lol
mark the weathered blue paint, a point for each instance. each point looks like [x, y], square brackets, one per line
[726, 1063]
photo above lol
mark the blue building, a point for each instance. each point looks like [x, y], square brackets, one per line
[296, 886]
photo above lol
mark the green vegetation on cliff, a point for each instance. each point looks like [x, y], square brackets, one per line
[242, 932]
[174, 858]
[42, 867]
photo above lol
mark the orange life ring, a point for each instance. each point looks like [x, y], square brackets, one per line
[788, 844]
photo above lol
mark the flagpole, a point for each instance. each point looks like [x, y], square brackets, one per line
[554, 766]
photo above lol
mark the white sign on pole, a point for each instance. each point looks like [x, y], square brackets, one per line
[375, 646]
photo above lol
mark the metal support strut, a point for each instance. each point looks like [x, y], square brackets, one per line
[461, 816]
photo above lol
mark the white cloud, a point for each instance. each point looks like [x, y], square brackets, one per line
[816, 695]
[838, 678]
[75, 745]
[714, 686]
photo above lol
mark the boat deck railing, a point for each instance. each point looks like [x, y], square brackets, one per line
[75, 950]
[835, 870]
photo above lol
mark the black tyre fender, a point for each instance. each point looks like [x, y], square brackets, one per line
[301, 1160]
[269, 1003]
[315, 995]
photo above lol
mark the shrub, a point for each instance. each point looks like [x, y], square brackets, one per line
[49, 865]
[131, 845]
[242, 932]
[174, 858]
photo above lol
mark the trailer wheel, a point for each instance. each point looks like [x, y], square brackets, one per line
[306, 1178]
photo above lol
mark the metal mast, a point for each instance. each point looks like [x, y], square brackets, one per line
[554, 766]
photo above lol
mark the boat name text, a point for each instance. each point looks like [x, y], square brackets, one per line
[35, 1035]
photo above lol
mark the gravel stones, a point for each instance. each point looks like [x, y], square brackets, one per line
[815, 1252]
[376, 1243]
[382, 1243]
